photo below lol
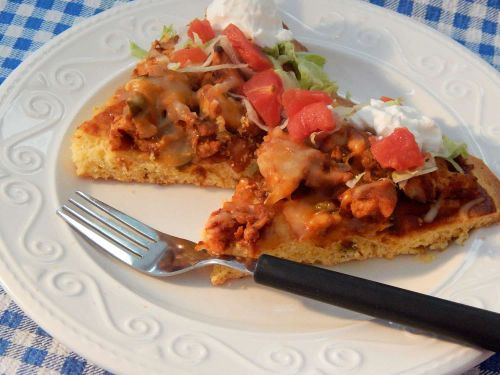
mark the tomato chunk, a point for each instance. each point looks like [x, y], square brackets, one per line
[189, 56]
[296, 99]
[311, 118]
[264, 91]
[386, 99]
[202, 28]
[247, 51]
[399, 151]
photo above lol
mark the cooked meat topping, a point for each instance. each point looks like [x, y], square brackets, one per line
[198, 106]
[442, 183]
[307, 185]
[208, 148]
[241, 153]
[178, 118]
[284, 164]
[376, 199]
[327, 174]
[240, 219]
[421, 188]
[214, 102]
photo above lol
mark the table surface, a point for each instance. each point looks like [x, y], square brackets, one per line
[27, 25]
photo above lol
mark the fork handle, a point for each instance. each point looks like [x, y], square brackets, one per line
[454, 320]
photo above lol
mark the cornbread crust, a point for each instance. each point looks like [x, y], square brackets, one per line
[93, 157]
[382, 245]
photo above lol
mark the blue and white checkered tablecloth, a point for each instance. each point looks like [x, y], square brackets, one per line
[25, 25]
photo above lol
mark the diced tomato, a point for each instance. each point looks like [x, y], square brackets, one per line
[313, 117]
[399, 151]
[189, 56]
[264, 91]
[386, 99]
[296, 99]
[202, 28]
[247, 51]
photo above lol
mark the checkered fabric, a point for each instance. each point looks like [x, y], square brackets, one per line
[473, 23]
[25, 25]
[25, 348]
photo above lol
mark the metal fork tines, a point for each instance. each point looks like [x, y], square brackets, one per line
[133, 242]
[121, 235]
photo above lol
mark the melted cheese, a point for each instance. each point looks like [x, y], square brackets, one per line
[284, 163]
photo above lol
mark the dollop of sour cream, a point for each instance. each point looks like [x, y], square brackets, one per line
[383, 118]
[258, 19]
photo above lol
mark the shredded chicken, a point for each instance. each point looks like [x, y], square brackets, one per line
[357, 142]
[215, 102]
[240, 219]
[376, 199]
[284, 164]
[443, 183]
[324, 175]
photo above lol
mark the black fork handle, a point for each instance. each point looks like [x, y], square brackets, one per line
[450, 319]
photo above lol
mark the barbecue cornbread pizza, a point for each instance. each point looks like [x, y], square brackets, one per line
[235, 101]
[174, 121]
[188, 114]
[378, 181]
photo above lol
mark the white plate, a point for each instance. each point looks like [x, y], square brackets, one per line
[130, 323]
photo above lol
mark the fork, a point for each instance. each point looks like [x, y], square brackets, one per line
[159, 254]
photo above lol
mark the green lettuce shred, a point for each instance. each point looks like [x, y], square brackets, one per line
[397, 101]
[312, 57]
[140, 53]
[313, 77]
[451, 150]
[168, 32]
[455, 149]
[288, 78]
[137, 51]
[196, 42]
[306, 67]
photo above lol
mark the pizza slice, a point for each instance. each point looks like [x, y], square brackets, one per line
[341, 184]
[189, 114]
[174, 121]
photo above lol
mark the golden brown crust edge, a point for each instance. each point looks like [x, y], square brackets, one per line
[93, 157]
[486, 179]
[386, 246]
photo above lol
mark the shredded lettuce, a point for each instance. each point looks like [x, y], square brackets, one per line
[451, 150]
[288, 78]
[428, 167]
[137, 51]
[168, 32]
[196, 42]
[306, 67]
[312, 57]
[454, 149]
[313, 77]
[397, 101]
